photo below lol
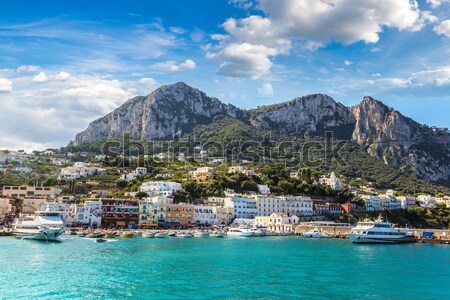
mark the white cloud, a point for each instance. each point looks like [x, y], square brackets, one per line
[266, 90]
[28, 68]
[5, 85]
[52, 114]
[244, 60]
[376, 75]
[171, 66]
[309, 25]
[436, 77]
[443, 28]
[41, 77]
[146, 81]
[436, 3]
[347, 62]
[61, 76]
[245, 4]
[177, 30]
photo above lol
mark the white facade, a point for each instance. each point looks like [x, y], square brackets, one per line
[427, 201]
[444, 200]
[299, 206]
[275, 221]
[204, 214]
[162, 188]
[243, 207]
[263, 189]
[380, 203]
[79, 170]
[61, 208]
[89, 214]
[332, 181]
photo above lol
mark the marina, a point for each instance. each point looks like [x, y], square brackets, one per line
[274, 267]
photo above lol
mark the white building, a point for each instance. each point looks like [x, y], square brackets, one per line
[64, 210]
[407, 201]
[380, 203]
[331, 181]
[263, 189]
[133, 174]
[244, 208]
[444, 200]
[281, 223]
[204, 214]
[427, 201]
[162, 188]
[299, 206]
[79, 170]
[89, 214]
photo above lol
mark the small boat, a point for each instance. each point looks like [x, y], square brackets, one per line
[160, 235]
[148, 234]
[185, 235]
[127, 235]
[258, 232]
[81, 234]
[201, 234]
[240, 232]
[110, 235]
[172, 233]
[94, 235]
[315, 234]
[217, 235]
[101, 240]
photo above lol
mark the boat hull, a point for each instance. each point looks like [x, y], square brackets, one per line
[50, 235]
[364, 239]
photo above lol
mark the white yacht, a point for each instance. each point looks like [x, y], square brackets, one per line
[44, 225]
[379, 232]
[315, 234]
[240, 232]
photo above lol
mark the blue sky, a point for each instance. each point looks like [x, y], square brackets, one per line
[65, 63]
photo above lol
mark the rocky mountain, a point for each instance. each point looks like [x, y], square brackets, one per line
[386, 134]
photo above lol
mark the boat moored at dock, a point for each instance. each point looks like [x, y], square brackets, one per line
[379, 232]
[43, 225]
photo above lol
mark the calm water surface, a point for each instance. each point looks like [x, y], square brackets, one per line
[211, 268]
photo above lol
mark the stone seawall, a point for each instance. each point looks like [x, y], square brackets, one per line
[340, 231]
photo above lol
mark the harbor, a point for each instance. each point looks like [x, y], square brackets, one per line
[210, 268]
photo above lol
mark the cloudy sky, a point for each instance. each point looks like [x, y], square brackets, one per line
[66, 63]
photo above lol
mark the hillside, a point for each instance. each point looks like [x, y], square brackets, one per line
[382, 132]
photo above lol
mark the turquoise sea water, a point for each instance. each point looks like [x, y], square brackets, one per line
[211, 268]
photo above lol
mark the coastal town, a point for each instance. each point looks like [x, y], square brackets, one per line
[88, 195]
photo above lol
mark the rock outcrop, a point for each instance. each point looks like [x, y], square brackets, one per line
[388, 135]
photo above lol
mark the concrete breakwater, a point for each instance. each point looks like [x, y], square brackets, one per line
[341, 231]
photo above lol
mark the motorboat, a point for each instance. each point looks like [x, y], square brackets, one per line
[160, 235]
[201, 234]
[315, 234]
[379, 232]
[240, 232]
[43, 225]
[148, 234]
[185, 235]
[217, 234]
[127, 235]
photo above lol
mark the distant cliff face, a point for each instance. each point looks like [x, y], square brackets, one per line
[171, 109]
[302, 114]
[401, 142]
[387, 134]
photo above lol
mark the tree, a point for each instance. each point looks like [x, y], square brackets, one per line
[141, 195]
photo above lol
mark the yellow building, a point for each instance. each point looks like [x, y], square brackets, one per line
[30, 191]
[31, 205]
[148, 215]
[182, 214]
